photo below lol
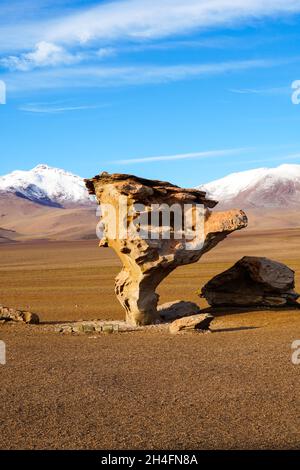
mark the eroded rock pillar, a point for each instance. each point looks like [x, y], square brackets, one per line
[154, 244]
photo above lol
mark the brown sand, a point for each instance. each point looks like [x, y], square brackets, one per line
[234, 388]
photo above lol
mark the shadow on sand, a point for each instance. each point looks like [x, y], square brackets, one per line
[222, 311]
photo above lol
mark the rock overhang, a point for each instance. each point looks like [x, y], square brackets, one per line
[147, 261]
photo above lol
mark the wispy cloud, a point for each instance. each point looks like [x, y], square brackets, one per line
[282, 158]
[107, 76]
[182, 156]
[64, 51]
[141, 20]
[40, 109]
[261, 91]
[104, 52]
[45, 54]
[233, 152]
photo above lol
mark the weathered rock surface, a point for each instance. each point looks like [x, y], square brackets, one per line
[92, 326]
[192, 323]
[148, 258]
[11, 314]
[177, 309]
[252, 281]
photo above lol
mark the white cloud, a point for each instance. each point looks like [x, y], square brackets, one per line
[294, 156]
[55, 109]
[44, 54]
[261, 91]
[142, 19]
[182, 156]
[161, 18]
[104, 52]
[106, 76]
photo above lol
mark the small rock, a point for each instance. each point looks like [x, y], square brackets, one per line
[31, 318]
[108, 329]
[66, 329]
[88, 328]
[11, 314]
[178, 309]
[83, 328]
[77, 328]
[191, 323]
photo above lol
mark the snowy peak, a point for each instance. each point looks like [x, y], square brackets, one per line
[46, 185]
[262, 187]
[258, 188]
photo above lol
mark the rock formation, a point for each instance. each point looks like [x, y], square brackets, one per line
[154, 245]
[196, 323]
[252, 281]
[174, 310]
[11, 314]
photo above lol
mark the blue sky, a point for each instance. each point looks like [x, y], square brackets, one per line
[181, 90]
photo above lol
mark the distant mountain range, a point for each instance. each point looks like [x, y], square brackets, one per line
[267, 188]
[50, 203]
[259, 188]
[45, 203]
[47, 186]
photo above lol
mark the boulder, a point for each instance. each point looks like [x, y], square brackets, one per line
[173, 310]
[252, 281]
[141, 220]
[11, 314]
[198, 323]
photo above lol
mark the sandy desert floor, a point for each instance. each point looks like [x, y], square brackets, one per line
[233, 388]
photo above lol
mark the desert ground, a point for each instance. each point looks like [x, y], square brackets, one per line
[235, 388]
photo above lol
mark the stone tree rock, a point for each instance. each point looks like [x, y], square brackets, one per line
[252, 281]
[155, 240]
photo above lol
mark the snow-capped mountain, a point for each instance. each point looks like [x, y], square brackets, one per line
[46, 185]
[277, 188]
[259, 188]
[262, 187]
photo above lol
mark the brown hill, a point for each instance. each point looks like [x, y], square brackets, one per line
[21, 219]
